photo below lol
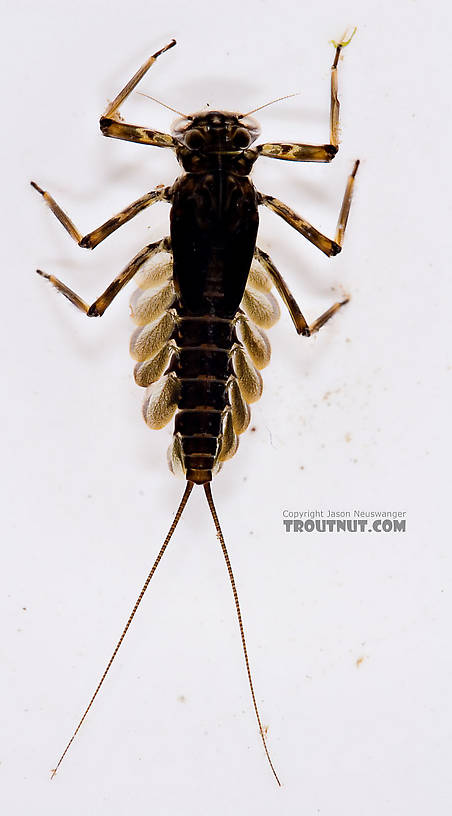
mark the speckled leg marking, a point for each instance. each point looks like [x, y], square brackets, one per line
[98, 307]
[111, 124]
[92, 239]
[326, 245]
[313, 153]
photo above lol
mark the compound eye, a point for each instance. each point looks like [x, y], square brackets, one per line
[194, 139]
[241, 138]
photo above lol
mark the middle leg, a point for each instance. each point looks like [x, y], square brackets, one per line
[92, 239]
[326, 245]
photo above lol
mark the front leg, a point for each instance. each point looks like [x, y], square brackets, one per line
[92, 239]
[313, 153]
[111, 124]
[326, 245]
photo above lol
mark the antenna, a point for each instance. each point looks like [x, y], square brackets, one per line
[184, 115]
[280, 98]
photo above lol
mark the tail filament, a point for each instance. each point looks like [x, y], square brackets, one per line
[239, 618]
[179, 512]
[184, 500]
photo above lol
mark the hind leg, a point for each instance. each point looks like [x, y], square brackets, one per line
[295, 312]
[102, 303]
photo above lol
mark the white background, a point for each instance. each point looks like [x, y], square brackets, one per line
[353, 418]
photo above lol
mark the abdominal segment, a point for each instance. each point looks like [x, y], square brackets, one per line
[203, 370]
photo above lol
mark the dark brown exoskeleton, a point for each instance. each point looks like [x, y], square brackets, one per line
[204, 294]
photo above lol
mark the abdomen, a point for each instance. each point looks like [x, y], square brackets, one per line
[199, 347]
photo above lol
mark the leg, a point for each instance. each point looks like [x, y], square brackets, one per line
[92, 239]
[111, 125]
[98, 307]
[314, 153]
[299, 321]
[326, 245]
[314, 327]
[282, 288]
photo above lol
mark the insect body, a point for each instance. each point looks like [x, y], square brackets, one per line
[204, 294]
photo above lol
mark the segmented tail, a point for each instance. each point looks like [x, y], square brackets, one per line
[180, 509]
[239, 618]
[179, 512]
